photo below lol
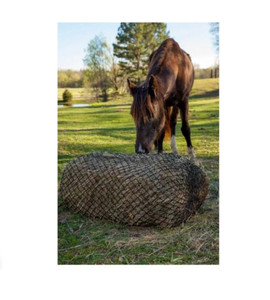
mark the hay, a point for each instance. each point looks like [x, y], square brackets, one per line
[147, 190]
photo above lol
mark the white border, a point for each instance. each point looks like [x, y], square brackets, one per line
[29, 122]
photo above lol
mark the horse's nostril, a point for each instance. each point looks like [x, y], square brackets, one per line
[140, 149]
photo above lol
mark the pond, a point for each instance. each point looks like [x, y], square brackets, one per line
[74, 105]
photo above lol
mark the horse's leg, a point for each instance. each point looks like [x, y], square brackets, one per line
[173, 122]
[156, 145]
[186, 129]
[160, 141]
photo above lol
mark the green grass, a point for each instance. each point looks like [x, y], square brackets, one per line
[109, 127]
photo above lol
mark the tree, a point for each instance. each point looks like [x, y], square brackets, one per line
[70, 78]
[62, 79]
[115, 74]
[97, 59]
[214, 30]
[67, 96]
[134, 44]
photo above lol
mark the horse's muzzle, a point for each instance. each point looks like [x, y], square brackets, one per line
[141, 150]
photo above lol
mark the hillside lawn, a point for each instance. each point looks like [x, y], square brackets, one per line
[109, 127]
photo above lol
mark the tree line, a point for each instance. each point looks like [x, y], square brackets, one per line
[78, 79]
[202, 73]
[108, 67]
[70, 78]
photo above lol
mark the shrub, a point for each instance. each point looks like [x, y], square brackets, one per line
[67, 96]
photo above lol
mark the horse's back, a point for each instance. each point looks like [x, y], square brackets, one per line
[173, 66]
[180, 62]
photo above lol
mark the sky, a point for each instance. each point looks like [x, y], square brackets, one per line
[73, 39]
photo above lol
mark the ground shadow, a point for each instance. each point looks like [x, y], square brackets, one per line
[209, 94]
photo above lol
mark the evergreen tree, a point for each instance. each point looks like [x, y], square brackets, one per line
[67, 96]
[134, 44]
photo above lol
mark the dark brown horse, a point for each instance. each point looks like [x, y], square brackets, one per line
[158, 100]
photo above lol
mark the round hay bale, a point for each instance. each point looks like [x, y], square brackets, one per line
[147, 190]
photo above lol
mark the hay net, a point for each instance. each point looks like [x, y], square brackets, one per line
[154, 189]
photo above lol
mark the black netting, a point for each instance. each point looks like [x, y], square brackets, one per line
[155, 189]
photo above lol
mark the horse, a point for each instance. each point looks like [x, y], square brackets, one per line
[158, 100]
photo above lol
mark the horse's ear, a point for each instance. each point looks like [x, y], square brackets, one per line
[132, 87]
[153, 86]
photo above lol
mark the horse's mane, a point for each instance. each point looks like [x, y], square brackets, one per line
[142, 106]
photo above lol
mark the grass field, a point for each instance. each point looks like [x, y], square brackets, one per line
[109, 127]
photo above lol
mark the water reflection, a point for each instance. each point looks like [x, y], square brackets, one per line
[74, 105]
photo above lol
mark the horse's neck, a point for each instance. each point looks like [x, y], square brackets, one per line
[165, 86]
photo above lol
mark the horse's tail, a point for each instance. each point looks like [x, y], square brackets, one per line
[168, 113]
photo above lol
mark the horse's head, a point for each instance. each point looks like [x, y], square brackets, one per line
[147, 111]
